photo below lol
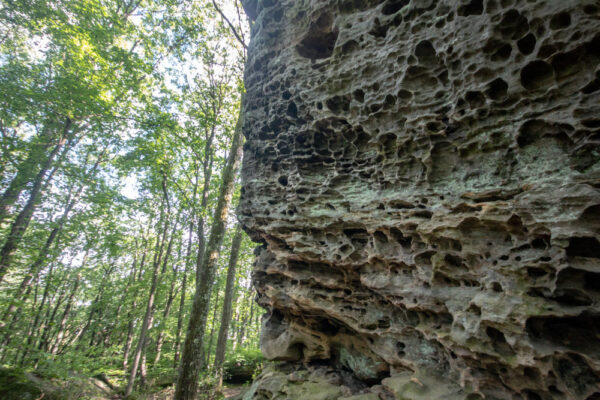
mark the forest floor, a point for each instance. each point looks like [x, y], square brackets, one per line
[18, 385]
[229, 392]
[234, 391]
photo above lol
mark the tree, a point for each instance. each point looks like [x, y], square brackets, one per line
[227, 304]
[192, 355]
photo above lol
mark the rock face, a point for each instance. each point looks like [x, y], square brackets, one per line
[424, 178]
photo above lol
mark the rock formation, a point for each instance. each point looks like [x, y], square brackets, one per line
[424, 178]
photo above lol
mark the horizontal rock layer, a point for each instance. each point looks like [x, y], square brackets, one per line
[424, 177]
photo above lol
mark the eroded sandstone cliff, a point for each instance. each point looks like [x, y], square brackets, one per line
[424, 177]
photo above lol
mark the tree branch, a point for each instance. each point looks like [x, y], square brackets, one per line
[236, 34]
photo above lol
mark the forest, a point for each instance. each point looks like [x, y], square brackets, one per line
[121, 258]
[299, 200]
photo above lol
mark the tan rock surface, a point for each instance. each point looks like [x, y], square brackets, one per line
[424, 177]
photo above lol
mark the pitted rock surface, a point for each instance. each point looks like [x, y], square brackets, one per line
[424, 177]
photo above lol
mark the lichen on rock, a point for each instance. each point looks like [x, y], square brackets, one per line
[424, 180]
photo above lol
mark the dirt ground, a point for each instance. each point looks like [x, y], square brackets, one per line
[230, 392]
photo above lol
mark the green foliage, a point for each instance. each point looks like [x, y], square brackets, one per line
[141, 98]
[243, 365]
[18, 384]
[15, 385]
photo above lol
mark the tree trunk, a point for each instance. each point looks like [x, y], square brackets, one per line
[143, 363]
[34, 326]
[200, 230]
[192, 357]
[250, 319]
[65, 314]
[143, 332]
[239, 320]
[19, 226]
[47, 326]
[149, 309]
[25, 171]
[235, 324]
[42, 256]
[182, 298]
[207, 169]
[243, 324]
[94, 307]
[131, 324]
[116, 320]
[167, 311]
[227, 303]
[212, 326]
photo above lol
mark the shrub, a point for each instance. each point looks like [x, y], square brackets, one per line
[243, 365]
[16, 385]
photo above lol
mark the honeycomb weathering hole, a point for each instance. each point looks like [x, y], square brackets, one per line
[320, 40]
[393, 6]
[537, 75]
[475, 7]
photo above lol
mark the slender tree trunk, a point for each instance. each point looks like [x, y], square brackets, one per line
[257, 314]
[207, 169]
[182, 298]
[246, 323]
[236, 321]
[144, 364]
[26, 171]
[212, 326]
[149, 310]
[192, 357]
[143, 332]
[227, 304]
[128, 340]
[234, 328]
[47, 326]
[94, 308]
[110, 328]
[239, 319]
[167, 311]
[249, 319]
[19, 226]
[63, 320]
[130, 317]
[34, 326]
[242, 331]
[200, 231]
